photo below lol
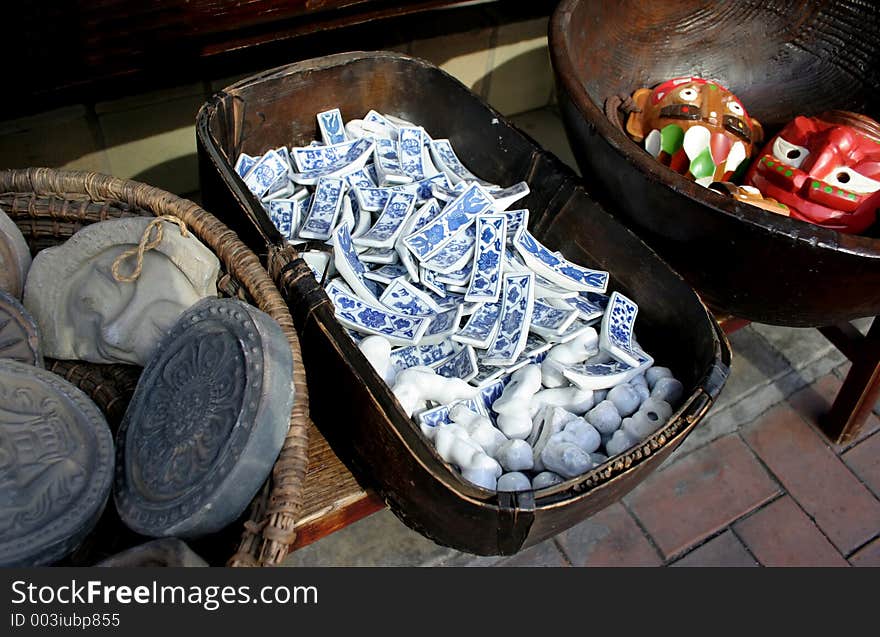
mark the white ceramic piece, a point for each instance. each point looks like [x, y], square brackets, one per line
[422, 383]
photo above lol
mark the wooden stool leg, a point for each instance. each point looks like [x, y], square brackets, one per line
[860, 390]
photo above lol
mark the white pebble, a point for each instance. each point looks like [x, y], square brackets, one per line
[599, 395]
[604, 417]
[598, 458]
[479, 428]
[643, 392]
[573, 399]
[575, 351]
[514, 481]
[515, 455]
[377, 350]
[625, 398]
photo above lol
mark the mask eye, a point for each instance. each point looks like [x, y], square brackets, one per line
[735, 108]
[789, 153]
[847, 179]
[688, 94]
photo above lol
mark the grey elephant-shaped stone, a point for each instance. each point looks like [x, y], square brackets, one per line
[604, 417]
[566, 458]
[56, 465]
[84, 313]
[206, 422]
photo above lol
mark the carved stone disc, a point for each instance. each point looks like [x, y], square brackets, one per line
[56, 465]
[15, 257]
[206, 422]
[164, 552]
[19, 338]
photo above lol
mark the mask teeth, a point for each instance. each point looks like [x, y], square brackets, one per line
[735, 157]
[696, 140]
[652, 143]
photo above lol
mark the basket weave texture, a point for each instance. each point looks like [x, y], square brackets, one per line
[50, 205]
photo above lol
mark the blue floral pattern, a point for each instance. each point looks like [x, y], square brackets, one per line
[330, 125]
[560, 271]
[485, 282]
[355, 314]
[481, 326]
[516, 313]
[390, 223]
[436, 234]
[324, 210]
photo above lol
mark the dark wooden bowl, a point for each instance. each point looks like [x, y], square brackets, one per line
[350, 404]
[781, 59]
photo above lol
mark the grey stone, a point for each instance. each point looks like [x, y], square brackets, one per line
[641, 424]
[514, 481]
[566, 458]
[15, 257]
[84, 313]
[653, 374]
[19, 334]
[619, 442]
[599, 395]
[485, 477]
[604, 417]
[206, 422]
[598, 458]
[56, 465]
[655, 407]
[625, 399]
[164, 552]
[635, 381]
[515, 455]
[643, 392]
[581, 433]
[546, 479]
[668, 389]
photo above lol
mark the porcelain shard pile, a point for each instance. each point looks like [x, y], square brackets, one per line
[513, 360]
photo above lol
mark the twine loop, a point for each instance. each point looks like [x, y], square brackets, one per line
[146, 243]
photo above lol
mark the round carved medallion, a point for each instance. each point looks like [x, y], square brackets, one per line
[56, 465]
[206, 422]
[18, 332]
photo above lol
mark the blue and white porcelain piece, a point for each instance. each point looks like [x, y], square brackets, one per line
[516, 219]
[373, 199]
[429, 280]
[324, 209]
[360, 178]
[434, 417]
[402, 296]
[388, 226]
[457, 253]
[284, 213]
[244, 163]
[587, 310]
[462, 364]
[616, 333]
[312, 159]
[550, 321]
[386, 274]
[506, 197]
[516, 314]
[534, 352]
[556, 269]
[446, 160]
[492, 392]
[367, 318]
[460, 277]
[282, 189]
[320, 263]
[605, 375]
[381, 256]
[443, 325]
[331, 127]
[387, 161]
[423, 355]
[379, 126]
[265, 173]
[409, 151]
[481, 327]
[487, 375]
[488, 263]
[457, 214]
[351, 268]
[422, 215]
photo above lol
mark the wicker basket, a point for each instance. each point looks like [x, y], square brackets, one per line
[51, 205]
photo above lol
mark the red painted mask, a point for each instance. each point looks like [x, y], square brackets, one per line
[696, 127]
[826, 169]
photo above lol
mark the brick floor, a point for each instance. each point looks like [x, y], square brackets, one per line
[815, 400]
[722, 550]
[781, 534]
[701, 494]
[814, 476]
[609, 538]
[864, 460]
[867, 556]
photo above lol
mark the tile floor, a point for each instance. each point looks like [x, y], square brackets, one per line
[754, 484]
